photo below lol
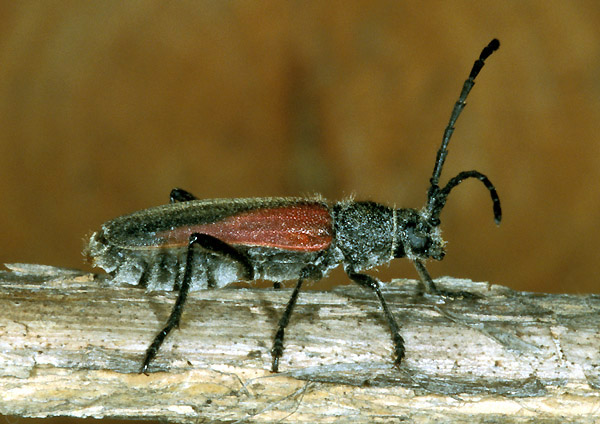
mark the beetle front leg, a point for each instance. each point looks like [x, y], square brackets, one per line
[213, 245]
[431, 288]
[369, 282]
[181, 195]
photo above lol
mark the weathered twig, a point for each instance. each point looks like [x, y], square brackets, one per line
[71, 344]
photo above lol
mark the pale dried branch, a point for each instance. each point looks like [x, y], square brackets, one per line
[71, 344]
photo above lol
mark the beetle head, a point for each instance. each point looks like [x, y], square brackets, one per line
[417, 235]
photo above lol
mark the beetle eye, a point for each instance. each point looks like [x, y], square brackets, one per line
[418, 240]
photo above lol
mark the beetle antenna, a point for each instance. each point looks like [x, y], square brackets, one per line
[436, 197]
[443, 193]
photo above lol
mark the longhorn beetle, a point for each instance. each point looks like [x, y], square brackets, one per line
[193, 244]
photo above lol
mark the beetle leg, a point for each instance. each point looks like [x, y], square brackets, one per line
[369, 282]
[426, 281]
[177, 310]
[431, 288]
[181, 195]
[277, 349]
[209, 243]
[308, 272]
[215, 245]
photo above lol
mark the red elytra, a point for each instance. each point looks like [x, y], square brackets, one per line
[305, 227]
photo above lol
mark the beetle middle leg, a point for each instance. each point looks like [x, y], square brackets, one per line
[369, 282]
[308, 272]
[214, 245]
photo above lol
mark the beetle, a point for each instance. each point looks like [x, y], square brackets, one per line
[192, 244]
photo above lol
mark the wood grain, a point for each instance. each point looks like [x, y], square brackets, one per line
[71, 344]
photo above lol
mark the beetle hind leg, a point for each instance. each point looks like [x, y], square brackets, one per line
[211, 244]
[215, 245]
[176, 312]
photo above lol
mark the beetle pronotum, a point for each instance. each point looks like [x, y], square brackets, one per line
[193, 244]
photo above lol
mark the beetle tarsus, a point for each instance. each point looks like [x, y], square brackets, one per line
[457, 295]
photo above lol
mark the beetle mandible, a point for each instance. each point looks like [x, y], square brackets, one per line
[193, 244]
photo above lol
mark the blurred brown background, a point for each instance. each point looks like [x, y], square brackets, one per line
[106, 106]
